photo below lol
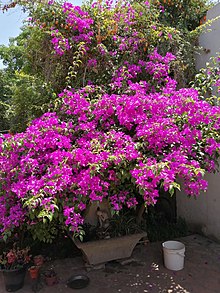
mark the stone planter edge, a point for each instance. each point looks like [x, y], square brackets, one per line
[101, 251]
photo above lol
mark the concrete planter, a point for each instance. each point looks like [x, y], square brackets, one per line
[101, 251]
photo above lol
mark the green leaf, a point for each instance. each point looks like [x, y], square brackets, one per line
[171, 190]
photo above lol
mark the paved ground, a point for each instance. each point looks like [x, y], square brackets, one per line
[146, 273]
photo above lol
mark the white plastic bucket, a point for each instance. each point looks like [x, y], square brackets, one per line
[173, 253]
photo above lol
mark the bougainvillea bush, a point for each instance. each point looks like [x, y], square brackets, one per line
[121, 140]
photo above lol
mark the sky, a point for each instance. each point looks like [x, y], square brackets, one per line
[11, 22]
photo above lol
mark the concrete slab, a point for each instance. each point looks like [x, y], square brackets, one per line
[145, 273]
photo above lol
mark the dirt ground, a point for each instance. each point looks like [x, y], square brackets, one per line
[144, 273]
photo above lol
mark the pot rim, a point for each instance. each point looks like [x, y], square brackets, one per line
[13, 270]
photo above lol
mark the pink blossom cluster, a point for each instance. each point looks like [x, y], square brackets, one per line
[78, 29]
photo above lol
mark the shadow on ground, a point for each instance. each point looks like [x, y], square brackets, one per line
[144, 273]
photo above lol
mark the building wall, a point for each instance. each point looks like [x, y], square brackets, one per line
[210, 40]
[203, 212]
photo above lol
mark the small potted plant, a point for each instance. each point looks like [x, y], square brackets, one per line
[50, 277]
[34, 272]
[13, 264]
[38, 260]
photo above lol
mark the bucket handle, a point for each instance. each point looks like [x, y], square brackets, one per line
[181, 254]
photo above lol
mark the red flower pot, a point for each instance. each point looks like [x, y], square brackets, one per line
[38, 260]
[50, 281]
[50, 277]
[34, 272]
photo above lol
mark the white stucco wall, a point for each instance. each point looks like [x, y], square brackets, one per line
[210, 40]
[203, 213]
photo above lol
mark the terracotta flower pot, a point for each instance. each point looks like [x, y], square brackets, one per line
[50, 281]
[34, 272]
[38, 260]
[50, 277]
